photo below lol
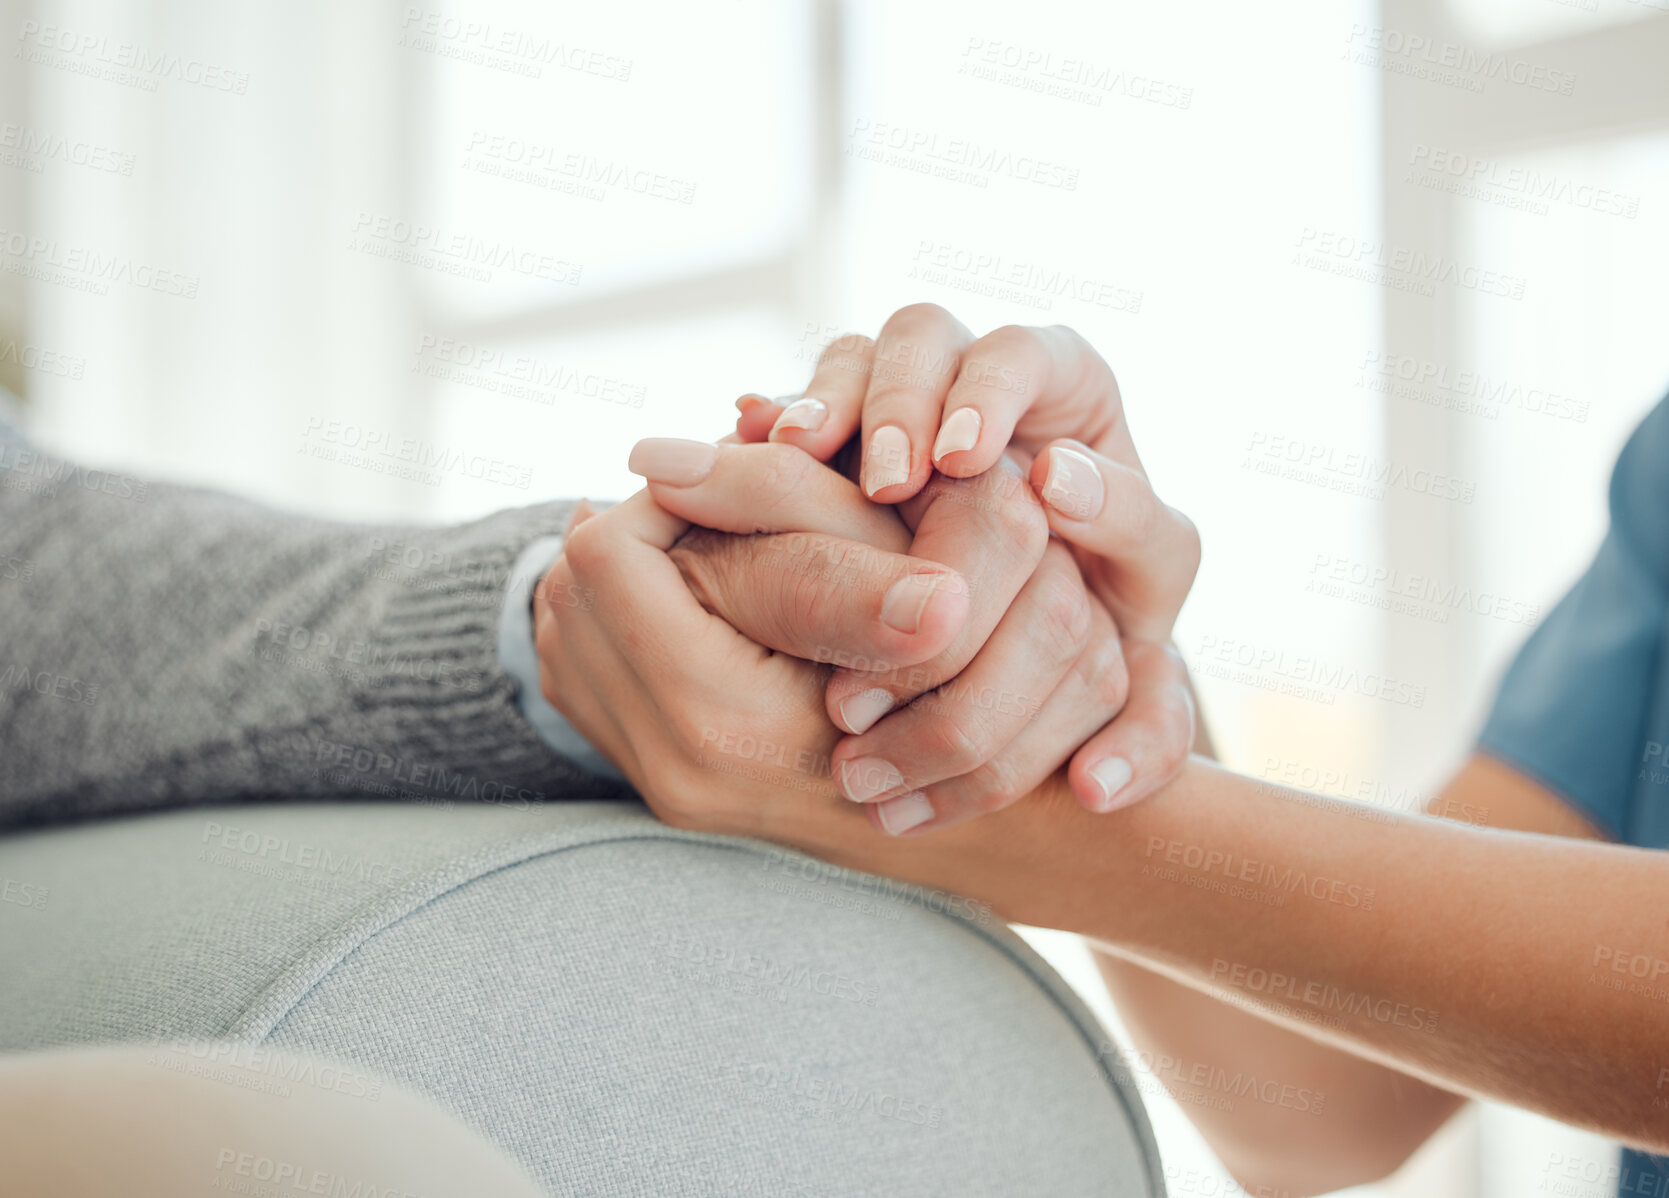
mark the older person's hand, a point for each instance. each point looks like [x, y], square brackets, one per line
[709, 726]
[927, 394]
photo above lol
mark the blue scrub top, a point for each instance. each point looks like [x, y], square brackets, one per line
[1584, 709]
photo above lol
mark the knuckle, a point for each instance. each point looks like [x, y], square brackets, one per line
[785, 468]
[1185, 541]
[953, 743]
[702, 557]
[548, 688]
[844, 349]
[587, 547]
[1015, 512]
[917, 318]
[999, 784]
[1145, 518]
[1063, 617]
[1017, 344]
[1106, 674]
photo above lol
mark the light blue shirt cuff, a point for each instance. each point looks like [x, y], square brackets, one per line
[520, 659]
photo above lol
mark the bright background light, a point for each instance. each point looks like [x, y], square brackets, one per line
[1211, 148]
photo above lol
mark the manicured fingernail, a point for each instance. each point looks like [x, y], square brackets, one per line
[866, 778]
[860, 711]
[887, 460]
[906, 599]
[1073, 486]
[905, 812]
[1111, 775]
[960, 432]
[749, 402]
[807, 413]
[672, 460]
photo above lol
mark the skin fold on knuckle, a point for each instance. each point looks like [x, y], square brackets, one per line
[588, 547]
[951, 739]
[849, 353]
[1105, 674]
[1013, 347]
[712, 565]
[1060, 625]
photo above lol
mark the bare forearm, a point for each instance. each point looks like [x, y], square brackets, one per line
[1462, 956]
[1283, 1111]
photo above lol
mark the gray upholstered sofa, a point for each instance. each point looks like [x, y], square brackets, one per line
[626, 1008]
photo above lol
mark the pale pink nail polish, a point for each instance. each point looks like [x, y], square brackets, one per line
[959, 433]
[1112, 775]
[906, 599]
[1073, 486]
[672, 460]
[905, 812]
[887, 460]
[860, 711]
[808, 414]
[866, 778]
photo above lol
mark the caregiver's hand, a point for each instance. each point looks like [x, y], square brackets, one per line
[926, 382]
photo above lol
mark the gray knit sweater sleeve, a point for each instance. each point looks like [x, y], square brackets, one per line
[162, 645]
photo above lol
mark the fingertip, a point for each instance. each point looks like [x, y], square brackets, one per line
[757, 419]
[958, 435]
[965, 463]
[1102, 783]
[1068, 481]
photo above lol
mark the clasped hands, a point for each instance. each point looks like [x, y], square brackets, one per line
[853, 604]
